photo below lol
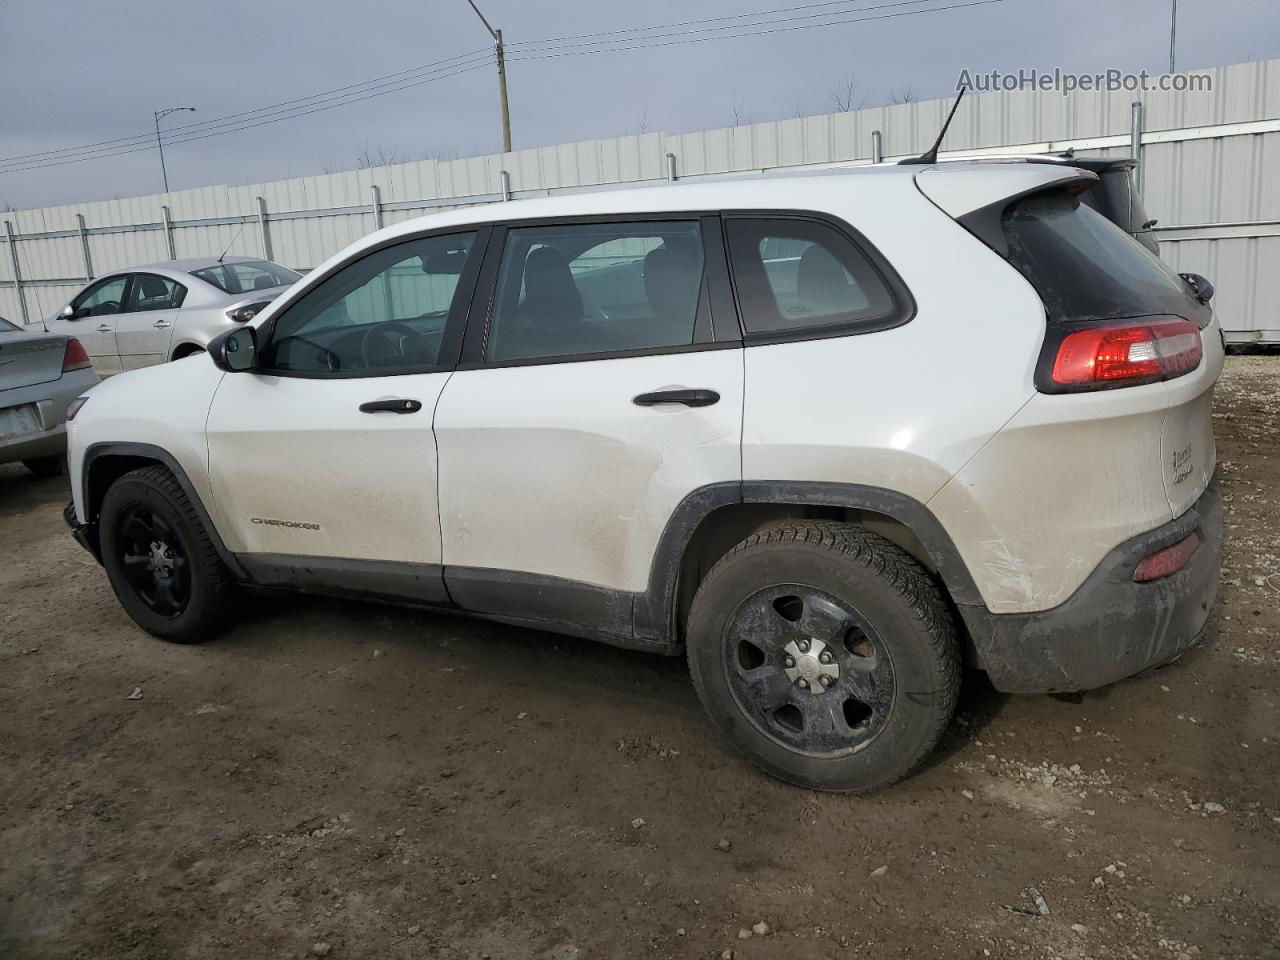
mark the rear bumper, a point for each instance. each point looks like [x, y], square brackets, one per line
[1111, 627]
[85, 534]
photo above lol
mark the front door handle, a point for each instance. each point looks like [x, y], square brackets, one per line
[397, 405]
[690, 398]
[161, 324]
[105, 328]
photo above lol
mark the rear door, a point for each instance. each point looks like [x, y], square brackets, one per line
[96, 309]
[603, 389]
[144, 328]
[322, 460]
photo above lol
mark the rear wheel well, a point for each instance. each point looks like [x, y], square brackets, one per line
[724, 528]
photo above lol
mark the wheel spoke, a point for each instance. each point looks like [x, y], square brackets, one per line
[761, 624]
[768, 687]
[824, 620]
[162, 528]
[824, 715]
[165, 593]
[137, 530]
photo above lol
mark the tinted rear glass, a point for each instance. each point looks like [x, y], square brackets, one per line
[1085, 267]
[246, 276]
[7, 327]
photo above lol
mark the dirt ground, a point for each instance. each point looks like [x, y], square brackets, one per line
[342, 779]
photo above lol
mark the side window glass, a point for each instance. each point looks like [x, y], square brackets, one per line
[106, 298]
[151, 292]
[596, 288]
[385, 313]
[794, 275]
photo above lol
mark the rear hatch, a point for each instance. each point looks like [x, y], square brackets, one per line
[1120, 324]
[28, 358]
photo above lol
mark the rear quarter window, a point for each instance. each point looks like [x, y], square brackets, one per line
[799, 276]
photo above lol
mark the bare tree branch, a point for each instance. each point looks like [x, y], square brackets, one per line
[905, 95]
[844, 95]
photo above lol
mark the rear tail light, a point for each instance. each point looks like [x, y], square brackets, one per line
[1168, 561]
[247, 312]
[74, 357]
[1105, 355]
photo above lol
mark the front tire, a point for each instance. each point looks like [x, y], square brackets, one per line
[160, 560]
[825, 654]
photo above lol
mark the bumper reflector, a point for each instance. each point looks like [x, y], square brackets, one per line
[1168, 561]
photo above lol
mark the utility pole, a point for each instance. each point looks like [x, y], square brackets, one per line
[502, 78]
[1173, 34]
[160, 115]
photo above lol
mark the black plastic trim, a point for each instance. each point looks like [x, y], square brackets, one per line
[339, 576]
[97, 451]
[986, 223]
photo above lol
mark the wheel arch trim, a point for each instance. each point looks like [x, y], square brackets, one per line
[149, 451]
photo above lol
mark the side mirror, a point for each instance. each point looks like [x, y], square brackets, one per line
[1201, 288]
[235, 351]
[68, 312]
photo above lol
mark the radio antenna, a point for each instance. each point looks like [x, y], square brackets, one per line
[232, 243]
[931, 155]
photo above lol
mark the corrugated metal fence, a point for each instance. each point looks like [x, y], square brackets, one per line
[1210, 171]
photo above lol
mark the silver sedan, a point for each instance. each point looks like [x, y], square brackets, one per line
[40, 375]
[164, 311]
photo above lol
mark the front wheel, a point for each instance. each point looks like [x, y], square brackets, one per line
[160, 560]
[825, 654]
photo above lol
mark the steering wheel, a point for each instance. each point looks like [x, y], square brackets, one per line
[386, 327]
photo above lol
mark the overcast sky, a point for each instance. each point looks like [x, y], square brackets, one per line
[76, 72]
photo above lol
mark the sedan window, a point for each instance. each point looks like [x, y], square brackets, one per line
[246, 276]
[152, 292]
[107, 297]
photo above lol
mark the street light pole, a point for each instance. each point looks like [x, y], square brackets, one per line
[502, 78]
[1173, 34]
[160, 115]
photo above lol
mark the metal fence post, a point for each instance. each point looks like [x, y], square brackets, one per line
[505, 179]
[1135, 143]
[671, 167]
[17, 271]
[266, 230]
[877, 147]
[168, 232]
[84, 247]
[375, 206]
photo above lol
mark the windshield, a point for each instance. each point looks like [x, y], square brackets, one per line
[1085, 267]
[245, 276]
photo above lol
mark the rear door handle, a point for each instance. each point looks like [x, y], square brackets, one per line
[161, 324]
[690, 398]
[105, 328]
[397, 405]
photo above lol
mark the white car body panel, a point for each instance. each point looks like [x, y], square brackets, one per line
[551, 469]
[365, 481]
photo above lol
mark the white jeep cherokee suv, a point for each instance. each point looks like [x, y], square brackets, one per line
[831, 434]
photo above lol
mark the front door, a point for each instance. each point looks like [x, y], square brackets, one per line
[599, 400]
[95, 311]
[323, 461]
[145, 327]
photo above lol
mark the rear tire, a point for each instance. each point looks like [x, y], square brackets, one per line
[161, 561]
[825, 654]
[45, 467]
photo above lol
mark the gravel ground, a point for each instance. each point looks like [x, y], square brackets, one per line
[347, 780]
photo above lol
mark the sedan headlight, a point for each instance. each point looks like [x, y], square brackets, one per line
[247, 312]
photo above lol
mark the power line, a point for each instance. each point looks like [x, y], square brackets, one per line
[729, 22]
[639, 44]
[245, 113]
[249, 125]
[463, 63]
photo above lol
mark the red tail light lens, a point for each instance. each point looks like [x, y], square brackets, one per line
[1125, 354]
[1168, 561]
[74, 357]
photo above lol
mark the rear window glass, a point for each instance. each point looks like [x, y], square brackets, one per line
[6, 326]
[1085, 267]
[246, 276]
